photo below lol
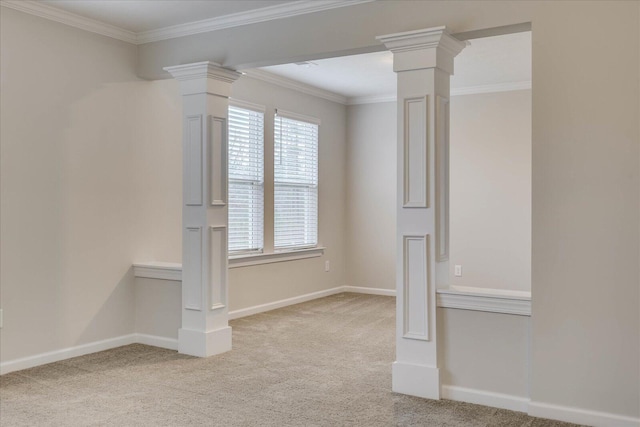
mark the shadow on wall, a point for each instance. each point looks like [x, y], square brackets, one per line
[115, 316]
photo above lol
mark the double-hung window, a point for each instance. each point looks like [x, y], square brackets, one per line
[295, 181]
[246, 178]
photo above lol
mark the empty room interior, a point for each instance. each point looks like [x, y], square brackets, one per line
[363, 212]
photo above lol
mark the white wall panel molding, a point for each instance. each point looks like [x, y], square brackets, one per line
[423, 61]
[192, 274]
[416, 152]
[218, 270]
[218, 160]
[71, 19]
[581, 416]
[486, 398]
[205, 88]
[492, 300]
[193, 160]
[442, 178]
[158, 270]
[416, 287]
[268, 77]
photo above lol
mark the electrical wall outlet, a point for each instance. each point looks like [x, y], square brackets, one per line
[327, 267]
[457, 270]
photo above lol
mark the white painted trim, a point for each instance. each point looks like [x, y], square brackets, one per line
[269, 258]
[484, 300]
[470, 90]
[269, 13]
[297, 116]
[65, 353]
[581, 416]
[498, 87]
[71, 19]
[250, 311]
[486, 398]
[238, 103]
[369, 291]
[370, 99]
[157, 341]
[294, 85]
[170, 343]
[415, 380]
[158, 270]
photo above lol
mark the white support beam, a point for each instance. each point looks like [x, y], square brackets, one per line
[423, 60]
[205, 89]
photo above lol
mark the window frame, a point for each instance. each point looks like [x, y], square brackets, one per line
[234, 103]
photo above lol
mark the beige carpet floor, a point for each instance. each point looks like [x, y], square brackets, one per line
[322, 363]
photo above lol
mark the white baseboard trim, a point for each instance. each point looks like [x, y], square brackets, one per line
[486, 398]
[169, 343]
[65, 353]
[581, 416]
[370, 291]
[157, 341]
[256, 309]
[81, 350]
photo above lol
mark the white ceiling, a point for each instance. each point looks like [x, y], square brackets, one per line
[146, 15]
[489, 61]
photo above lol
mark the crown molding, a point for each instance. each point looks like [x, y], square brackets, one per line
[295, 85]
[71, 19]
[498, 87]
[370, 99]
[269, 13]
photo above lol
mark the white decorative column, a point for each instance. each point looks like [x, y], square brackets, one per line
[423, 61]
[205, 89]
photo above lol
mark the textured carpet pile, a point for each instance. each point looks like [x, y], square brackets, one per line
[322, 363]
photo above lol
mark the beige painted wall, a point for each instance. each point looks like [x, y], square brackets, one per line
[78, 166]
[91, 182]
[484, 351]
[490, 190]
[371, 195]
[586, 164]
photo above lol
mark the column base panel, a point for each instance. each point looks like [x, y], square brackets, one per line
[416, 380]
[204, 344]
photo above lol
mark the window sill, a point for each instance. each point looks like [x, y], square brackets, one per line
[236, 261]
[173, 270]
[490, 300]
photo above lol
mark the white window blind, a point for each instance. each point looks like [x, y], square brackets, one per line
[246, 180]
[295, 182]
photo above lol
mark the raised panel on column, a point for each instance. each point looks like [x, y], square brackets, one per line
[442, 178]
[416, 287]
[416, 153]
[218, 279]
[218, 161]
[193, 161]
[192, 269]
